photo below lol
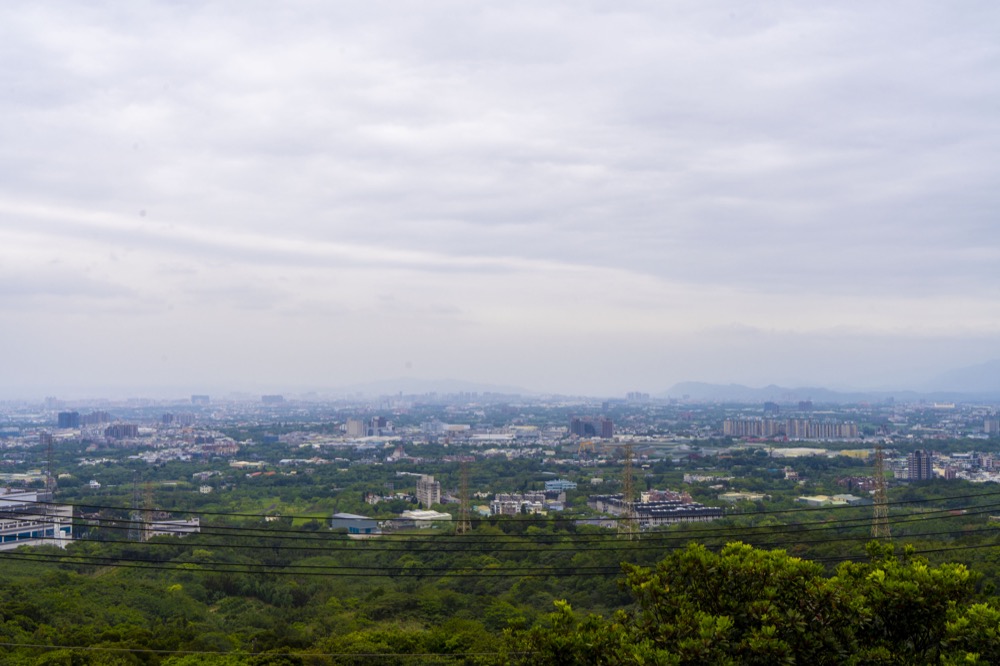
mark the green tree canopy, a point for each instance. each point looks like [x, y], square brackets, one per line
[749, 606]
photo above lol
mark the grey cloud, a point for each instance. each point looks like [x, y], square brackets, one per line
[771, 150]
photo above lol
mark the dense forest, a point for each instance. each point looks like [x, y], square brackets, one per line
[512, 591]
[267, 581]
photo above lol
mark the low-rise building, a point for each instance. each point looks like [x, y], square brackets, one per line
[424, 518]
[824, 500]
[356, 526]
[176, 528]
[742, 497]
[27, 519]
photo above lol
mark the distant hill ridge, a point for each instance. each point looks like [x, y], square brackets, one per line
[980, 382]
[415, 386]
[783, 394]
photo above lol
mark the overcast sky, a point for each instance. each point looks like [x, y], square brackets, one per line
[579, 197]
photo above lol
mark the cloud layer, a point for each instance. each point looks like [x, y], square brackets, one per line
[566, 196]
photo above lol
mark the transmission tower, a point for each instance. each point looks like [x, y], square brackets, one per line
[50, 479]
[626, 521]
[464, 525]
[147, 513]
[135, 515]
[880, 513]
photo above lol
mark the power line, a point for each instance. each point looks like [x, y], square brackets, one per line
[502, 543]
[366, 655]
[491, 519]
[564, 548]
[374, 571]
[349, 571]
[553, 538]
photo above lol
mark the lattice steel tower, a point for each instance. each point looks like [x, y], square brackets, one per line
[50, 479]
[880, 512]
[147, 513]
[626, 521]
[464, 525]
[135, 531]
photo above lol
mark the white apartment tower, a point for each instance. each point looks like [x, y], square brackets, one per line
[428, 491]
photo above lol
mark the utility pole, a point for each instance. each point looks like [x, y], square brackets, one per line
[464, 525]
[626, 521]
[880, 513]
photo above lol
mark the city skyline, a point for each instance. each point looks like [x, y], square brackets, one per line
[560, 197]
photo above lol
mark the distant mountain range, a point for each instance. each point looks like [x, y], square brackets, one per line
[414, 386]
[981, 378]
[973, 383]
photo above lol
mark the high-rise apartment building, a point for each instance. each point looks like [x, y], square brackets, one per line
[69, 419]
[121, 431]
[355, 428]
[428, 491]
[591, 427]
[95, 418]
[919, 466]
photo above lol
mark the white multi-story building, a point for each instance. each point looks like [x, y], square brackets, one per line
[28, 519]
[428, 491]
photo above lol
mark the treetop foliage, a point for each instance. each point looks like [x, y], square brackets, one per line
[749, 606]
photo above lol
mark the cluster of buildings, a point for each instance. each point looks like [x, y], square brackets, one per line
[377, 426]
[513, 504]
[657, 508]
[920, 465]
[31, 518]
[765, 428]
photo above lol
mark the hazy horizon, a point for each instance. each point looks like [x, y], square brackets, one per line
[967, 381]
[574, 198]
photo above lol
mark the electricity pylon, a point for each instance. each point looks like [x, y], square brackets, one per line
[135, 515]
[147, 513]
[464, 525]
[880, 512]
[626, 521]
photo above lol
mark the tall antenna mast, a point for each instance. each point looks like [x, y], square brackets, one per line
[464, 524]
[626, 521]
[880, 513]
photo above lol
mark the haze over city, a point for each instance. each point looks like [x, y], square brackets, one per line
[565, 197]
